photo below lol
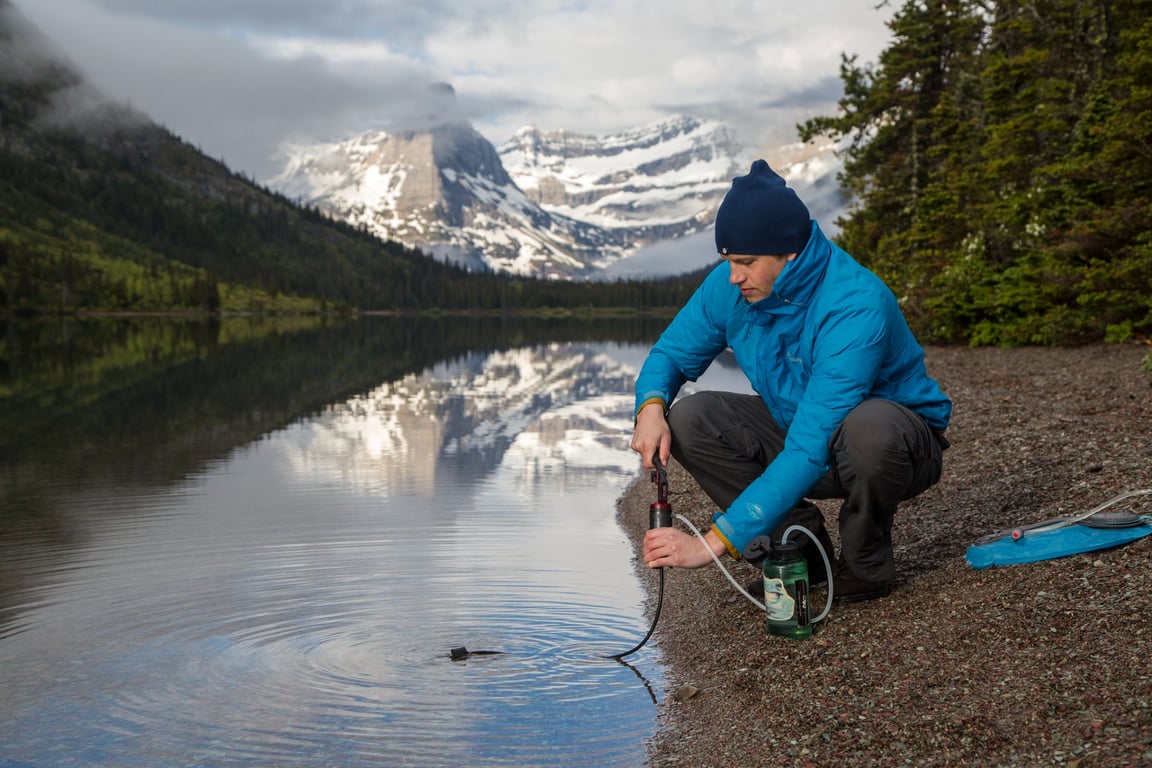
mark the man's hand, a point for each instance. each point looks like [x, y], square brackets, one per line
[676, 548]
[652, 435]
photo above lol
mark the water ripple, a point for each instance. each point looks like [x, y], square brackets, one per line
[295, 661]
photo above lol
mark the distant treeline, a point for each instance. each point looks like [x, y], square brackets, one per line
[152, 225]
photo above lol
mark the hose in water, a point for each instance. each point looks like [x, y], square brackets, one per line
[651, 629]
[659, 516]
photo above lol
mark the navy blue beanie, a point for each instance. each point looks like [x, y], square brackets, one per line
[761, 215]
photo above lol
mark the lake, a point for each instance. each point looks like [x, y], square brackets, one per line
[257, 542]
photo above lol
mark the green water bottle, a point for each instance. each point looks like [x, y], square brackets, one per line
[786, 592]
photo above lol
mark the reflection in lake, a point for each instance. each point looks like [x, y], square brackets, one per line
[230, 546]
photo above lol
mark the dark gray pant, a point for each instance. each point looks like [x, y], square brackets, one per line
[882, 454]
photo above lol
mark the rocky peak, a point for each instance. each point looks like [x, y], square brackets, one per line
[545, 203]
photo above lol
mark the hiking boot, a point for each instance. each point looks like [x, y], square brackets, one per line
[755, 587]
[848, 588]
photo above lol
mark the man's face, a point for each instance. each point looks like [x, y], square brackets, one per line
[755, 275]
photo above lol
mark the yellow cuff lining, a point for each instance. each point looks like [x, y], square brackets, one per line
[649, 401]
[727, 544]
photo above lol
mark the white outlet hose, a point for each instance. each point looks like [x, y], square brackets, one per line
[783, 539]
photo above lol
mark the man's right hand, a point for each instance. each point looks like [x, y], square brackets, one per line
[652, 436]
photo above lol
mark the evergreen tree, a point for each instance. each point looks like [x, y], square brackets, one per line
[1000, 167]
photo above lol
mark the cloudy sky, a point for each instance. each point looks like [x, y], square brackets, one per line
[239, 77]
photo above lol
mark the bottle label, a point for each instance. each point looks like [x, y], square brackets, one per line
[801, 592]
[786, 602]
[781, 606]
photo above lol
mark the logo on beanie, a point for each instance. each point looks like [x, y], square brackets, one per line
[761, 216]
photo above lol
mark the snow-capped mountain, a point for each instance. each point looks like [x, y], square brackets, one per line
[656, 183]
[446, 192]
[547, 204]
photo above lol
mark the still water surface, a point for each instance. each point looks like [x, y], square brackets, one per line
[253, 546]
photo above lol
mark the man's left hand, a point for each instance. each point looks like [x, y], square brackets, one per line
[678, 549]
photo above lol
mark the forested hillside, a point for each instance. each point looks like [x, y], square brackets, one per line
[1001, 167]
[999, 160]
[102, 210]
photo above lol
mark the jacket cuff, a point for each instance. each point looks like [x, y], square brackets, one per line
[732, 551]
[649, 401]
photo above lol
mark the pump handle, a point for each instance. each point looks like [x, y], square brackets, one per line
[660, 513]
[660, 478]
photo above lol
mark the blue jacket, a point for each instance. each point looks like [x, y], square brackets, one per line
[829, 336]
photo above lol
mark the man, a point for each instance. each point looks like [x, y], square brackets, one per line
[844, 406]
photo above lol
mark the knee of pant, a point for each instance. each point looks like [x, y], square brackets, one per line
[868, 442]
[869, 445]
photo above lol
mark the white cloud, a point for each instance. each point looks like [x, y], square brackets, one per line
[237, 77]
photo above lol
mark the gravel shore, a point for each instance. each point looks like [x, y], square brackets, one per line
[1043, 664]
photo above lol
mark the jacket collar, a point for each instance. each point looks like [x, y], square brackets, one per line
[798, 281]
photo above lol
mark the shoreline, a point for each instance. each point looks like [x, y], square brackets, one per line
[1044, 663]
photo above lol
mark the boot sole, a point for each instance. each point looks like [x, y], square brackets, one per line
[860, 597]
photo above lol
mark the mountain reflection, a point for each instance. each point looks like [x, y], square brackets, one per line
[553, 406]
